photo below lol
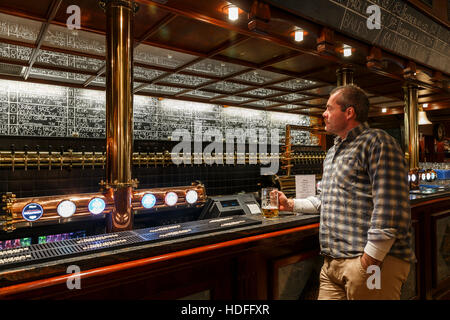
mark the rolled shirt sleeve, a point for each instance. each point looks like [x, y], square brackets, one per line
[309, 205]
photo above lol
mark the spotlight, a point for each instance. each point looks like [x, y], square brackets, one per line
[66, 208]
[233, 13]
[347, 50]
[298, 35]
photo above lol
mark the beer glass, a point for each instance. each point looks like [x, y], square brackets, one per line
[269, 202]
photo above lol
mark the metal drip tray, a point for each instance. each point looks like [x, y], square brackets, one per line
[38, 253]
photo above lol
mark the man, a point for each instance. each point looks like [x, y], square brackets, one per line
[365, 217]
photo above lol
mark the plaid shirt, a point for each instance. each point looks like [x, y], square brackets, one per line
[365, 195]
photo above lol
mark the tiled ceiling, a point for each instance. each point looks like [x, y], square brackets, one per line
[177, 56]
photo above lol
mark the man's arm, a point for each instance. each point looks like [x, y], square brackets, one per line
[391, 214]
[307, 205]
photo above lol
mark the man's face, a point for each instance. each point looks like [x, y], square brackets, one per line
[335, 119]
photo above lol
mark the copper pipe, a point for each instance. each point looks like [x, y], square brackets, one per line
[287, 151]
[12, 217]
[411, 125]
[160, 193]
[119, 110]
[344, 76]
[49, 205]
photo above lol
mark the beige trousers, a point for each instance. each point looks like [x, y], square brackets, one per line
[345, 279]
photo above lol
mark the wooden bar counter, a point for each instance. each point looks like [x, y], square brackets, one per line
[277, 259]
[431, 229]
[239, 263]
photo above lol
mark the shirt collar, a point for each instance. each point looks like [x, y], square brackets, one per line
[352, 134]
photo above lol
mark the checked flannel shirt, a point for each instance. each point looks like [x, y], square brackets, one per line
[365, 195]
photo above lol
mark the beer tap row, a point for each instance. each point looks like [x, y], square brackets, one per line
[68, 159]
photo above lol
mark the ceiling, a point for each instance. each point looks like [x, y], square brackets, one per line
[189, 50]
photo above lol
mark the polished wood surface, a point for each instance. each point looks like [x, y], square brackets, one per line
[53, 287]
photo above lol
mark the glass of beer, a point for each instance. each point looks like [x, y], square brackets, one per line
[269, 202]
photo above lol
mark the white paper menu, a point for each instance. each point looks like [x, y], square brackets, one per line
[305, 185]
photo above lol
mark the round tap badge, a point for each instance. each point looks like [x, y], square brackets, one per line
[148, 200]
[96, 206]
[32, 212]
[191, 196]
[66, 208]
[171, 198]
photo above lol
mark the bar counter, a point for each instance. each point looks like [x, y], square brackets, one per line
[215, 262]
[274, 259]
[430, 215]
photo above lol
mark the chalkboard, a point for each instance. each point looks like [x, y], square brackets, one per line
[404, 30]
[29, 109]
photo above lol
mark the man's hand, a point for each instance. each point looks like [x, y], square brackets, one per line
[367, 261]
[284, 203]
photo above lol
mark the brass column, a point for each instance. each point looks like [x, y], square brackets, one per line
[344, 76]
[119, 110]
[411, 125]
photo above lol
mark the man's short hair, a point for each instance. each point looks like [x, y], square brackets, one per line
[353, 96]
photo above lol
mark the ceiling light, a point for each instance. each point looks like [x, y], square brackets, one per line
[347, 50]
[423, 119]
[298, 35]
[233, 13]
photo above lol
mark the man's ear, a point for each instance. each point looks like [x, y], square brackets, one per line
[350, 113]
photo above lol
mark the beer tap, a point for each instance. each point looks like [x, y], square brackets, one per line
[61, 160]
[50, 157]
[93, 157]
[155, 149]
[25, 157]
[38, 157]
[13, 155]
[139, 156]
[71, 158]
[103, 157]
[82, 156]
